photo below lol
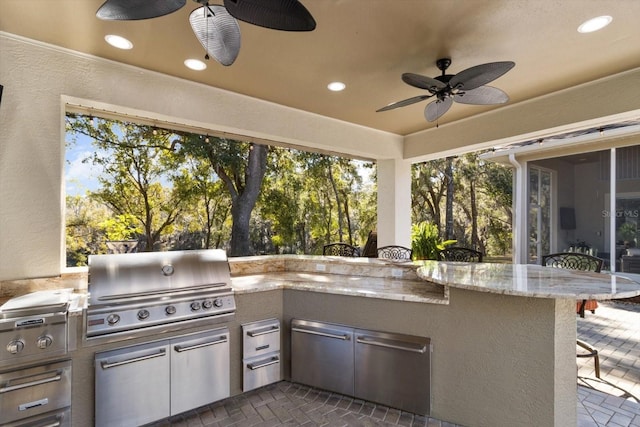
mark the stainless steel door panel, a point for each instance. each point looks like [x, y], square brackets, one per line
[199, 370]
[56, 419]
[322, 355]
[34, 391]
[260, 371]
[132, 385]
[260, 338]
[394, 370]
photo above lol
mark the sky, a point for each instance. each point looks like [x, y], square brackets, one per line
[80, 177]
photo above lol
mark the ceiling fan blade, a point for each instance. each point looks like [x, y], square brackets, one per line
[286, 15]
[484, 95]
[480, 75]
[423, 82]
[436, 109]
[217, 31]
[131, 10]
[404, 103]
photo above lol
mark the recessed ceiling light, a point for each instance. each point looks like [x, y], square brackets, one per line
[336, 86]
[595, 24]
[117, 41]
[195, 64]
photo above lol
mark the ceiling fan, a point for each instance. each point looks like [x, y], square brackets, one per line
[215, 26]
[466, 87]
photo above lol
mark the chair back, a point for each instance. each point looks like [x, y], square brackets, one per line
[573, 261]
[457, 253]
[395, 253]
[340, 249]
[370, 246]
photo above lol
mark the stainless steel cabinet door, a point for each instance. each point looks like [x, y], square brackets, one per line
[132, 385]
[322, 355]
[394, 369]
[199, 370]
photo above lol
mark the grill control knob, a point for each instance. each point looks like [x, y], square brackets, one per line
[44, 341]
[112, 319]
[218, 302]
[207, 303]
[15, 346]
[143, 314]
[195, 306]
[170, 309]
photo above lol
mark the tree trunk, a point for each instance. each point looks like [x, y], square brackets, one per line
[243, 202]
[448, 232]
[474, 214]
[338, 204]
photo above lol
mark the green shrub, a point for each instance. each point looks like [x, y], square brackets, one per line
[425, 241]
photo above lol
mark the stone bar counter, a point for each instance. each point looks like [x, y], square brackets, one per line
[503, 335]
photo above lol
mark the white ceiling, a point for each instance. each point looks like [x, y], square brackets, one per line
[367, 44]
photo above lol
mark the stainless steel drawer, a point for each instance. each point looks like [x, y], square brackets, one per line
[34, 391]
[60, 418]
[260, 371]
[260, 338]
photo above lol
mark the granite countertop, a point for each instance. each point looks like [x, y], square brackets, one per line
[531, 280]
[342, 284]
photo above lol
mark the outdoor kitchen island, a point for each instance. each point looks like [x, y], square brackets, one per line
[503, 336]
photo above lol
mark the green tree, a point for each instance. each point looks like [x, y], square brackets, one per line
[135, 159]
[241, 166]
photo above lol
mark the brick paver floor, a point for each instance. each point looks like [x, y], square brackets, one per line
[613, 400]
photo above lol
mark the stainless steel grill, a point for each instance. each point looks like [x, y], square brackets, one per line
[152, 289]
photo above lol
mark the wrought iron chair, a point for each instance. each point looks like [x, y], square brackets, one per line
[395, 253]
[340, 249]
[581, 262]
[458, 253]
[576, 261]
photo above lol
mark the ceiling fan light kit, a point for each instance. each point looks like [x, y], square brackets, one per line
[466, 87]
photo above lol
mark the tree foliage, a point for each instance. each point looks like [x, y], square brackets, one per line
[481, 201]
[175, 190]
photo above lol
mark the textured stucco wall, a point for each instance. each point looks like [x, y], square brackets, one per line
[38, 80]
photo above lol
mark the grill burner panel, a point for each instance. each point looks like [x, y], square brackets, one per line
[33, 327]
[142, 290]
[111, 319]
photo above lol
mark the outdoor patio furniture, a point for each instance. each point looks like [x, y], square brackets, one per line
[395, 253]
[340, 249]
[630, 263]
[370, 246]
[458, 253]
[576, 261]
[582, 262]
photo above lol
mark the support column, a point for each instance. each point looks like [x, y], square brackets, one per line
[394, 202]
